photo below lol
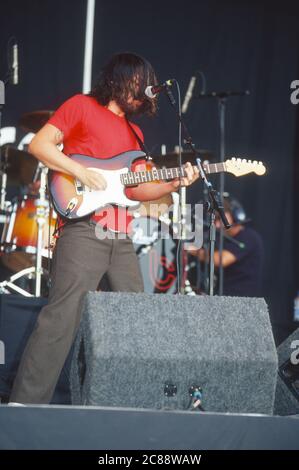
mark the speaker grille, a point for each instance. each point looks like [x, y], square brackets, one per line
[136, 344]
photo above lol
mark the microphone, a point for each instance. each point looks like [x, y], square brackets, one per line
[188, 95]
[152, 91]
[15, 65]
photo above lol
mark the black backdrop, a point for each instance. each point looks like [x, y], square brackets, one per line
[238, 44]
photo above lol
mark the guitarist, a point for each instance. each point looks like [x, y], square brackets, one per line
[93, 125]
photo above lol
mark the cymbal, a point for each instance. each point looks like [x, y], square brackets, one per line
[19, 165]
[35, 120]
[171, 158]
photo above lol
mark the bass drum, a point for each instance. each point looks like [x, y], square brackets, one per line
[19, 237]
[156, 251]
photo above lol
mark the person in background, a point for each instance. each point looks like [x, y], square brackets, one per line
[242, 255]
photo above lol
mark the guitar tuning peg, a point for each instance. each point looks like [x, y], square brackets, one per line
[244, 160]
[239, 160]
[233, 159]
[255, 162]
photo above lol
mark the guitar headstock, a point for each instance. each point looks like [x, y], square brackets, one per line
[240, 167]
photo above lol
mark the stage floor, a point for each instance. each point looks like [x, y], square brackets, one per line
[98, 428]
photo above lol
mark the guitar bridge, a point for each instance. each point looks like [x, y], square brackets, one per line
[71, 206]
[79, 187]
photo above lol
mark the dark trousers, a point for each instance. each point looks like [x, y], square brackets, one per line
[80, 260]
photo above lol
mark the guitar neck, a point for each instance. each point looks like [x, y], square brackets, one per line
[132, 178]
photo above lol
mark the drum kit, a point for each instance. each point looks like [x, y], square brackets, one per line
[27, 218]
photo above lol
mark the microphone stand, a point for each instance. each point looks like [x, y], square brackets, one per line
[3, 164]
[222, 109]
[215, 204]
[222, 97]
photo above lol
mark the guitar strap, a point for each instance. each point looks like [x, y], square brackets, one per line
[142, 145]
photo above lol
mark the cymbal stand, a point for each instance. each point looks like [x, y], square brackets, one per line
[41, 212]
[5, 286]
[3, 190]
[222, 100]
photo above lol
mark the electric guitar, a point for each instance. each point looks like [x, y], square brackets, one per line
[73, 200]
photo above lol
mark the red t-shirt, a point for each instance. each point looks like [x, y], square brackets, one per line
[93, 130]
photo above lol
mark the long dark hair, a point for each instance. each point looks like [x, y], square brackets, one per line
[126, 75]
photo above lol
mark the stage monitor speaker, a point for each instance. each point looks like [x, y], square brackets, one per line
[149, 350]
[18, 315]
[287, 389]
